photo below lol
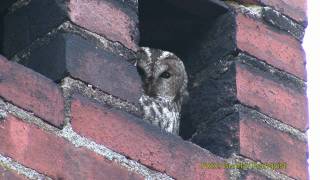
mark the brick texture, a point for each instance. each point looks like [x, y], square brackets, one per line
[262, 143]
[142, 142]
[246, 74]
[83, 59]
[245, 133]
[296, 9]
[31, 91]
[108, 18]
[213, 99]
[271, 98]
[279, 50]
[53, 156]
[10, 175]
[112, 19]
[254, 176]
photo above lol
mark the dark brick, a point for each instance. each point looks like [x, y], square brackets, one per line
[296, 9]
[54, 156]
[282, 22]
[75, 56]
[201, 42]
[6, 174]
[219, 135]
[112, 19]
[280, 50]
[245, 133]
[214, 41]
[243, 79]
[212, 89]
[199, 32]
[31, 91]
[142, 142]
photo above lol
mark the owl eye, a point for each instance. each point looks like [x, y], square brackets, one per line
[165, 75]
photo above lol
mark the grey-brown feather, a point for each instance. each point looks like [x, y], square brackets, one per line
[165, 87]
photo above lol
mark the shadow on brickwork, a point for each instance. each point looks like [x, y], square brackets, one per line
[4, 5]
[1, 31]
[200, 34]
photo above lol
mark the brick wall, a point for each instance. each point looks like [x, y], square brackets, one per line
[69, 94]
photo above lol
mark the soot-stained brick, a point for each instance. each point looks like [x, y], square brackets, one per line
[70, 54]
[111, 19]
[280, 21]
[244, 133]
[243, 79]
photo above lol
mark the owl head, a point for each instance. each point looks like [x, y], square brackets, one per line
[162, 73]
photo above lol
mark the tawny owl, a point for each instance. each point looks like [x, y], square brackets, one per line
[165, 87]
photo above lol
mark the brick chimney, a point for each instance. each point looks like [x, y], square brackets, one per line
[69, 92]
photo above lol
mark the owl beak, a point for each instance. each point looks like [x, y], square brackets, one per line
[149, 91]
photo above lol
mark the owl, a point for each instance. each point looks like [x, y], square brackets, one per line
[164, 81]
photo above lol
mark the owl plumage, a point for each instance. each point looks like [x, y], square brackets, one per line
[165, 87]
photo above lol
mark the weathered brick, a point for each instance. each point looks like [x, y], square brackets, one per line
[115, 20]
[262, 143]
[272, 98]
[75, 56]
[244, 132]
[276, 19]
[280, 50]
[54, 156]
[6, 174]
[267, 90]
[108, 18]
[31, 91]
[211, 89]
[296, 9]
[219, 134]
[141, 141]
[243, 79]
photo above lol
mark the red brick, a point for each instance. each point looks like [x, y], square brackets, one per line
[9, 175]
[296, 9]
[106, 18]
[31, 91]
[103, 69]
[279, 50]
[142, 142]
[271, 98]
[265, 144]
[112, 19]
[81, 59]
[54, 156]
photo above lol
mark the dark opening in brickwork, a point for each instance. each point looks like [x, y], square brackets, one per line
[198, 34]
